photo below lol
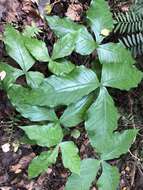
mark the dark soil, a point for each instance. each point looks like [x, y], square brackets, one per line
[13, 164]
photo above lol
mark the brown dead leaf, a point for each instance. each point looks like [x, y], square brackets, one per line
[125, 8]
[74, 12]
[3, 178]
[29, 185]
[22, 164]
[11, 10]
[5, 188]
[62, 188]
[27, 6]
[94, 188]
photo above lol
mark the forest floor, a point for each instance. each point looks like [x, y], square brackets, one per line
[14, 163]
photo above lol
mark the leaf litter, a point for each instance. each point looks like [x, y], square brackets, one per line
[17, 162]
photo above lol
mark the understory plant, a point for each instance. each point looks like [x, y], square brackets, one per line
[72, 94]
[129, 27]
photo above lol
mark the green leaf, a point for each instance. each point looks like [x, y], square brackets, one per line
[62, 26]
[14, 43]
[56, 91]
[114, 53]
[61, 68]
[36, 113]
[105, 121]
[123, 76]
[34, 79]
[109, 179]
[70, 157]
[45, 135]
[37, 49]
[11, 74]
[88, 172]
[41, 163]
[100, 17]
[72, 87]
[64, 46]
[41, 96]
[74, 114]
[25, 140]
[85, 43]
[118, 144]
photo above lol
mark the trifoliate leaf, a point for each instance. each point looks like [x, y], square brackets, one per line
[36, 97]
[70, 88]
[74, 114]
[45, 135]
[64, 46]
[55, 90]
[61, 67]
[100, 17]
[122, 75]
[62, 26]
[70, 157]
[35, 113]
[88, 172]
[105, 121]
[34, 79]
[118, 144]
[14, 42]
[109, 179]
[114, 53]
[85, 43]
[37, 49]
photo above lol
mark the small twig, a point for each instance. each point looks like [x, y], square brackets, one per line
[134, 156]
[134, 166]
[131, 103]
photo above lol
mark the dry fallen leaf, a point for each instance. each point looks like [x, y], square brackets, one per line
[74, 12]
[15, 146]
[93, 188]
[22, 164]
[48, 8]
[127, 168]
[125, 8]
[5, 188]
[5, 147]
[62, 188]
[124, 188]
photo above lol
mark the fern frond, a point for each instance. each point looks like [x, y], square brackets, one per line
[128, 22]
[137, 7]
[134, 42]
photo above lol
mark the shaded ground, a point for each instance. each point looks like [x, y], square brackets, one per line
[13, 164]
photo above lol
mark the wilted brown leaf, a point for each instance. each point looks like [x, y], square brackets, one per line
[74, 12]
[22, 164]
